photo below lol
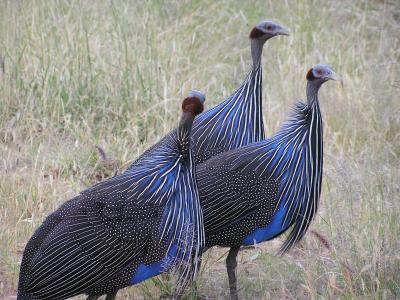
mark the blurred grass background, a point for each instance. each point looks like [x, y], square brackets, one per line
[76, 74]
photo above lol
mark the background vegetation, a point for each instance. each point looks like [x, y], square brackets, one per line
[76, 74]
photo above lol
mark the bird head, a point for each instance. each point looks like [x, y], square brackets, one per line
[321, 73]
[194, 102]
[267, 29]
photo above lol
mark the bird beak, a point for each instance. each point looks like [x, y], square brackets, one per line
[283, 31]
[333, 76]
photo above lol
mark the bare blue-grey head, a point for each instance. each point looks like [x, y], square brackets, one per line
[316, 76]
[262, 32]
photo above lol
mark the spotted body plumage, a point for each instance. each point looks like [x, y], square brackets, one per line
[235, 203]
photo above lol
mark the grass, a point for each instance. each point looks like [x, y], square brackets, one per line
[78, 74]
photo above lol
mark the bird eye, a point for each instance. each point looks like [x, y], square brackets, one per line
[269, 27]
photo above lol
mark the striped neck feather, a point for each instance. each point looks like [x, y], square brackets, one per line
[301, 185]
[234, 123]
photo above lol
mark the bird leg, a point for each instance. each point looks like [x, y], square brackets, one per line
[231, 264]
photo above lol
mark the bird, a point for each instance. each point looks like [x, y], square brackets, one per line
[237, 121]
[123, 230]
[257, 192]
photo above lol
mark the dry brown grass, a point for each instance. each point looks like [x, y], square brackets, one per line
[79, 74]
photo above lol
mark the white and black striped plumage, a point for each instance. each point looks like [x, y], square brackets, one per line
[237, 121]
[147, 219]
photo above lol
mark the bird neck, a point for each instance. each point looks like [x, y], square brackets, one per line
[186, 121]
[312, 91]
[184, 131]
[256, 51]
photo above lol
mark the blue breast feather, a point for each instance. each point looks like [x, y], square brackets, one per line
[268, 232]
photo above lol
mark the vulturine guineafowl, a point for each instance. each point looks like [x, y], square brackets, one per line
[237, 121]
[257, 192]
[124, 230]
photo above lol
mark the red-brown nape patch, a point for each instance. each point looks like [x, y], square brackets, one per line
[192, 105]
[256, 33]
[310, 75]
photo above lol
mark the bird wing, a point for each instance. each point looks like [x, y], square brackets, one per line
[229, 194]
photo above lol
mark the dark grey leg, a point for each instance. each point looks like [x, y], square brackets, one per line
[231, 264]
[111, 296]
